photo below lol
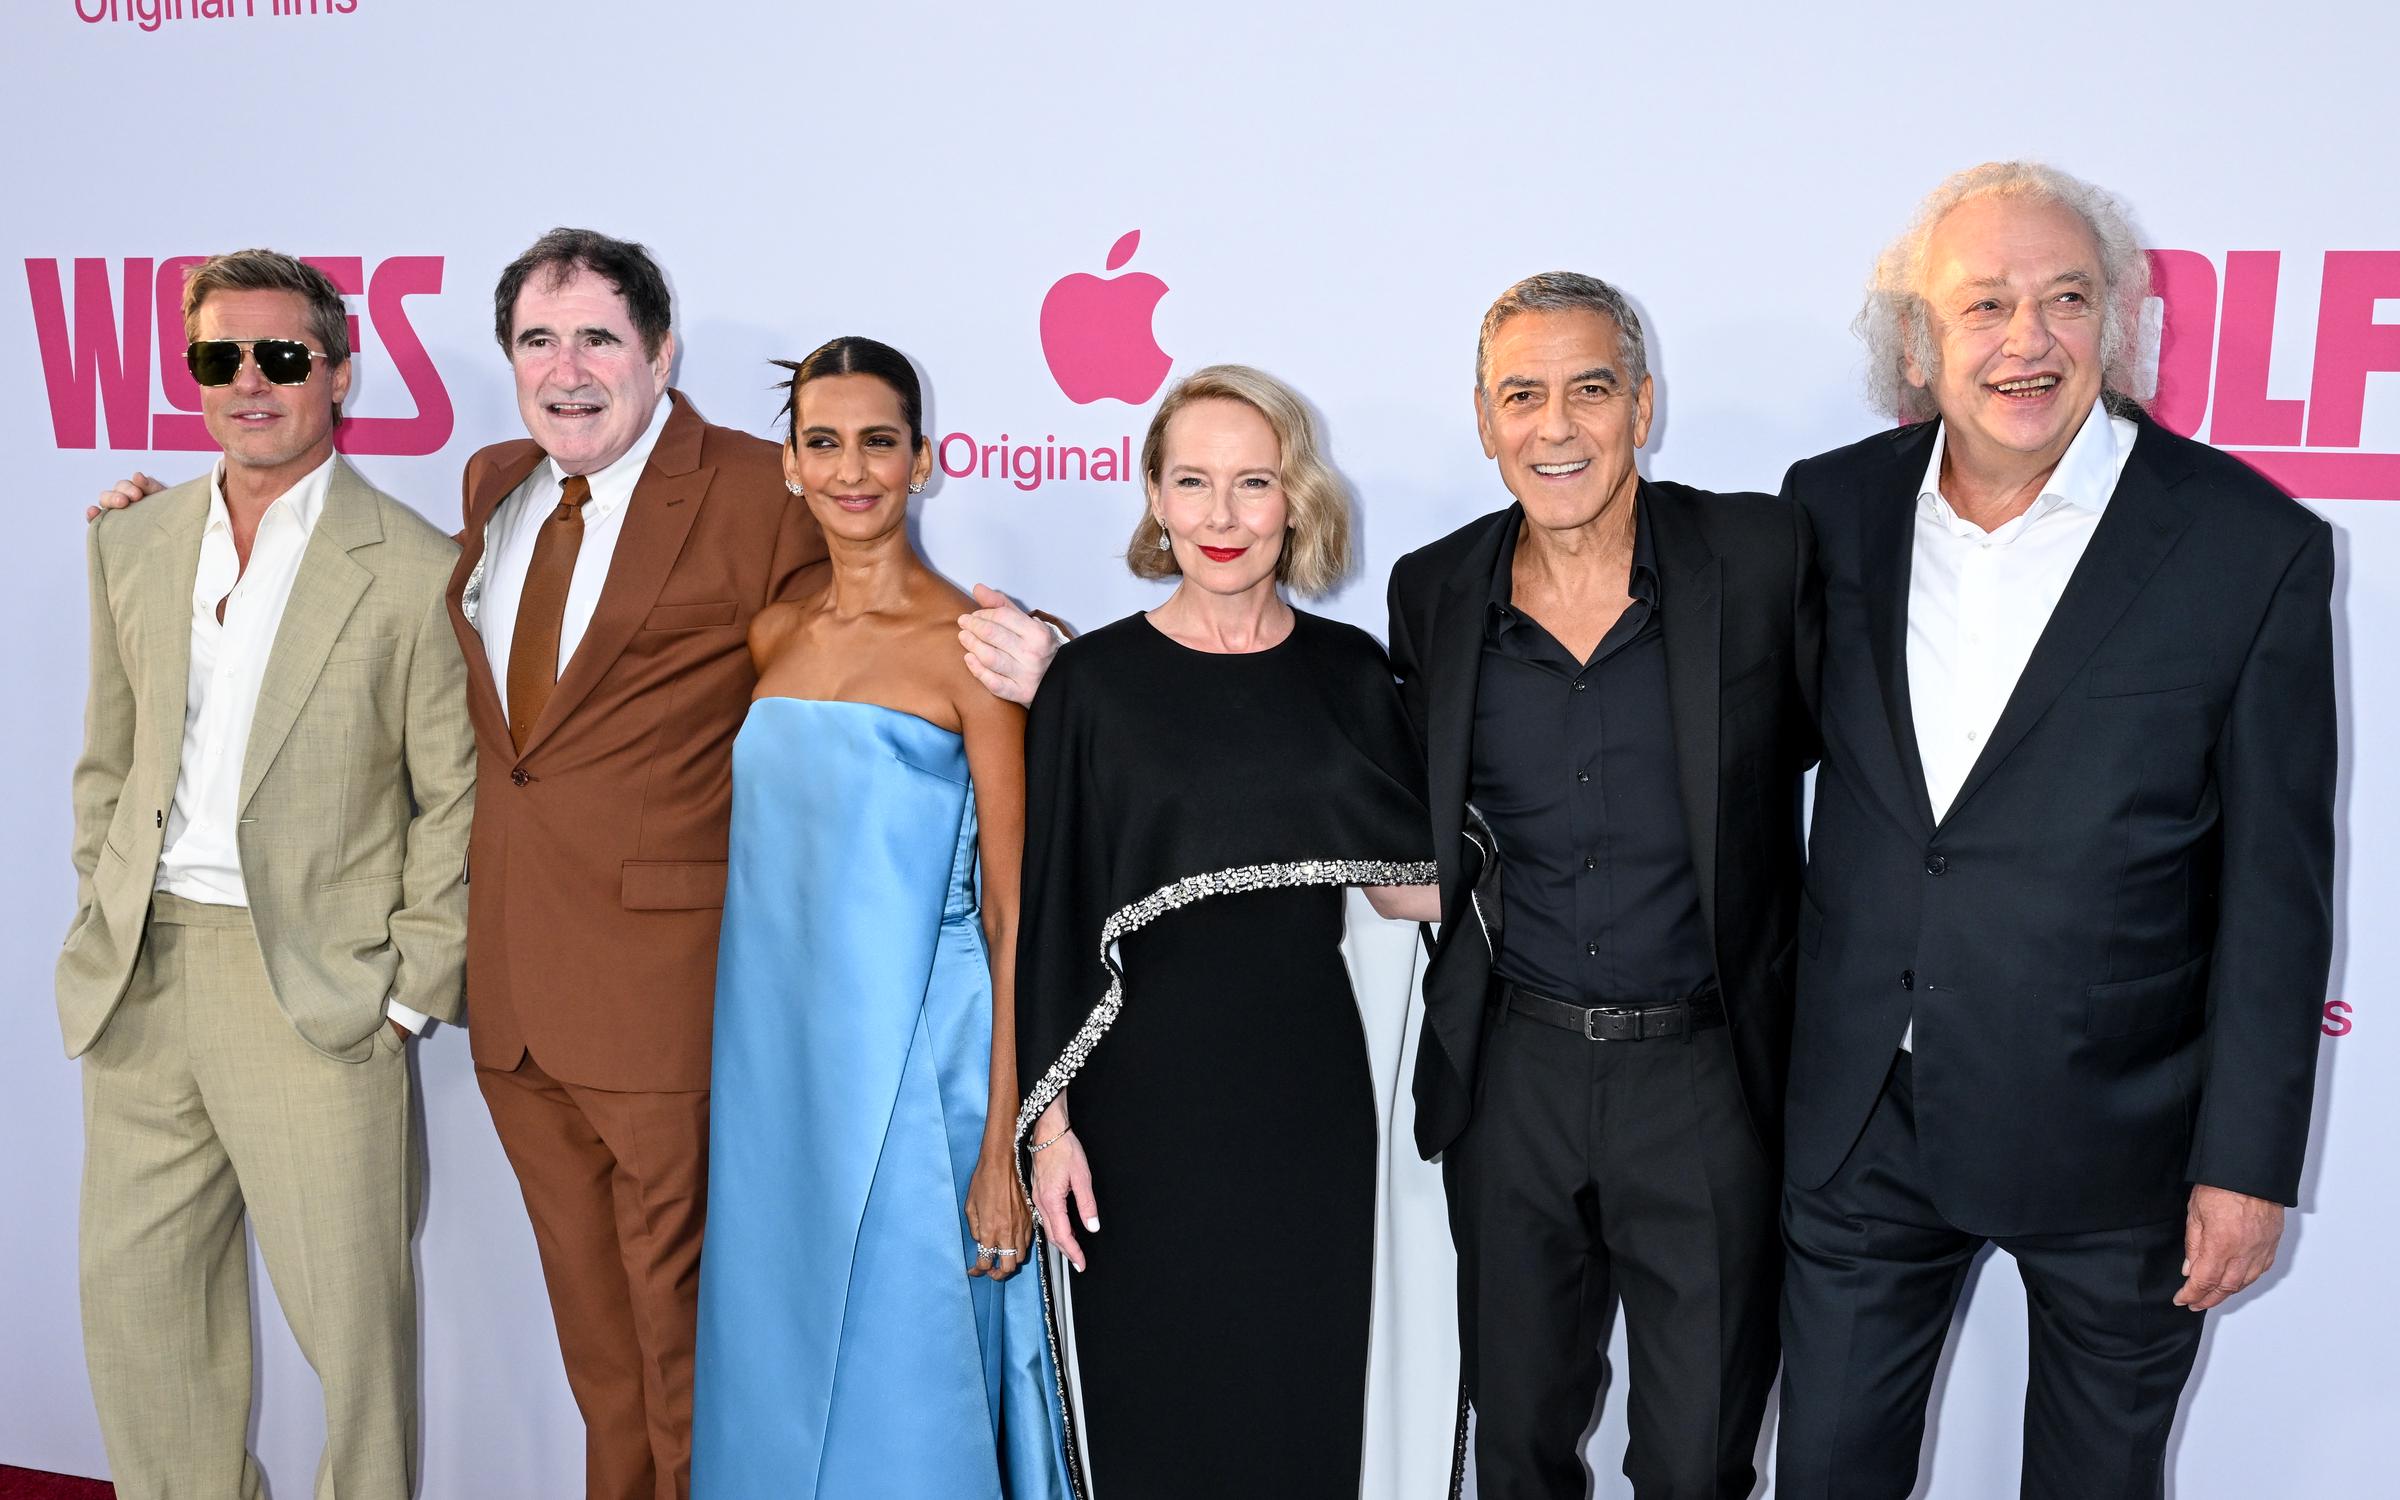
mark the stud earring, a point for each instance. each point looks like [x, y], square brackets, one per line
[794, 486]
[916, 486]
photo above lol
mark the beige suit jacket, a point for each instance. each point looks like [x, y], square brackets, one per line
[358, 782]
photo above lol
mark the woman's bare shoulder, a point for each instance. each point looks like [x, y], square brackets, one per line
[773, 627]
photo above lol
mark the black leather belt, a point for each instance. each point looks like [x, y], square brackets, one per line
[1618, 1023]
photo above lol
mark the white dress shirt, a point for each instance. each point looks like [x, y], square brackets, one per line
[202, 859]
[516, 524]
[1978, 601]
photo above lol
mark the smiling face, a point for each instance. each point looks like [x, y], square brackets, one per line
[584, 387]
[1559, 416]
[850, 454]
[1219, 494]
[2013, 289]
[276, 431]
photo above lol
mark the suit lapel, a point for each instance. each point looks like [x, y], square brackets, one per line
[1691, 621]
[1454, 669]
[167, 626]
[1888, 521]
[658, 516]
[483, 694]
[2135, 533]
[324, 591]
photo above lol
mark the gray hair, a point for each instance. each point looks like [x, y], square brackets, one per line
[1897, 325]
[1568, 291]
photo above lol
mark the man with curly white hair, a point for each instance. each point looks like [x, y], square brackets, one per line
[2068, 908]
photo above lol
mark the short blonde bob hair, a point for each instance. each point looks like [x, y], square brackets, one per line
[1316, 544]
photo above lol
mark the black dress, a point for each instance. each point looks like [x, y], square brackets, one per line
[1202, 812]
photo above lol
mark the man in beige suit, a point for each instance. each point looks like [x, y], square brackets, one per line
[271, 816]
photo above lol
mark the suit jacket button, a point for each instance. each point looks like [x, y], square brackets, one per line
[519, 777]
[1935, 864]
[1908, 979]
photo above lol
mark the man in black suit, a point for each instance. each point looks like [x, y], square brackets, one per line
[2069, 885]
[1610, 679]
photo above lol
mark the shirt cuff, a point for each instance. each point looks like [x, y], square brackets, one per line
[414, 1020]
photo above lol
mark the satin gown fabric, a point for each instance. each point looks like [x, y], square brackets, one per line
[844, 1351]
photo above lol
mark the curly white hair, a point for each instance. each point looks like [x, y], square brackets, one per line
[1897, 325]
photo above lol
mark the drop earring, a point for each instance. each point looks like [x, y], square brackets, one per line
[1163, 544]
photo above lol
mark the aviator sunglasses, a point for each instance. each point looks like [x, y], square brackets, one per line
[215, 362]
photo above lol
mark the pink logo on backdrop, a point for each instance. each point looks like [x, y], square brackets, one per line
[2213, 356]
[1096, 332]
[1097, 340]
[150, 15]
[98, 342]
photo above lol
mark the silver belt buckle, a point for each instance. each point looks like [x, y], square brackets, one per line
[1593, 1017]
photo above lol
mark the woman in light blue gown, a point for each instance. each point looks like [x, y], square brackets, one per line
[864, 1329]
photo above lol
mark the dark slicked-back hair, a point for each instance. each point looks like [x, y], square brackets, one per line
[852, 355]
[558, 255]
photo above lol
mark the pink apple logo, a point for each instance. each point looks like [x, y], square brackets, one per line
[1096, 332]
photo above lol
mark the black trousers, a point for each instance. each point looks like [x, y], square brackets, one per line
[1624, 1170]
[1869, 1293]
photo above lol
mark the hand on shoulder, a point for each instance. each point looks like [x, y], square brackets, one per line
[1007, 650]
[124, 492]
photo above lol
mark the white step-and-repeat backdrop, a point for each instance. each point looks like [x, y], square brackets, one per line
[1333, 193]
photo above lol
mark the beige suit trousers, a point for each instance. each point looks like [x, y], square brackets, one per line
[201, 1105]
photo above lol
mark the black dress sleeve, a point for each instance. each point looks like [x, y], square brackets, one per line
[1065, 885]
[1156, 776]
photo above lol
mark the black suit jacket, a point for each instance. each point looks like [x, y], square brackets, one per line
[2115, 943]
[1739, 613]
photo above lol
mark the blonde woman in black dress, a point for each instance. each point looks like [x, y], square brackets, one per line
[1203, 781]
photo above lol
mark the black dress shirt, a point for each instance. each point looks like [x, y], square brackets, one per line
[1574, 771]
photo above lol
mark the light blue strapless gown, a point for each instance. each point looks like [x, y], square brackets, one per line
[844, 1352]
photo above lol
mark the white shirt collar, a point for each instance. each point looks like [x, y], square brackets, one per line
[298, 506]
[2085, 477]
[613, 486]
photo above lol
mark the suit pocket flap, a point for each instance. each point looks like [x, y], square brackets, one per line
[374, 648]
[2132, 678]
[673, 884]
[690, 616]
[2131, 1005]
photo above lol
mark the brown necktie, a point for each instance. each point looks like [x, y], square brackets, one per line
[533, 648]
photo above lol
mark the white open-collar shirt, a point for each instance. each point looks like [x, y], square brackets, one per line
[201, 859]
[516, 523]
[1979, 600]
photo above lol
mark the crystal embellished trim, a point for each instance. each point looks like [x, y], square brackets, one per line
[1458, 1447]
[1070, 1440]
[1239, 880]
[1132, 918]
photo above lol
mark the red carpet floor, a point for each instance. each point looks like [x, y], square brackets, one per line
[25, 1484]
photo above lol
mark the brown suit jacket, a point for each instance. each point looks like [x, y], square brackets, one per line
[597, 868]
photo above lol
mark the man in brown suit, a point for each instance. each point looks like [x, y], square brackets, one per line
[612, 562]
